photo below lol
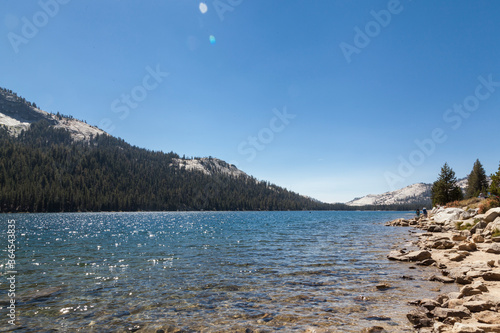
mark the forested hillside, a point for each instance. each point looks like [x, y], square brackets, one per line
[45, 170]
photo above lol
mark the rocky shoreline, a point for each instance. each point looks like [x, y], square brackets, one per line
[465, 247]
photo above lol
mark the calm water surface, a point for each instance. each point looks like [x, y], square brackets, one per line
[210, 272]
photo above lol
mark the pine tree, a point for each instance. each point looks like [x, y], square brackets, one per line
[478, 183]
[445, 189]
[495, 183]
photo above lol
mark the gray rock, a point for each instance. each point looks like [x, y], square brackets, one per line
[412, 256]
[494, 248]
[487, 317]
[491, 276]
[478, 227]
[466, 328]
[478, 306]
[477, 238]
[480, 286]
[441, 243]
[419, 318]
[492, 214]
[429, 304]
[459, 312]
[443, 279]
[458, 238]
[469, 291]
[463, 279]
[396, 255]
[426, 262]
[467, 246]
[448, 214]
[457, 257]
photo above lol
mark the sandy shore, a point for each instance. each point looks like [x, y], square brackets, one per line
[469, 258]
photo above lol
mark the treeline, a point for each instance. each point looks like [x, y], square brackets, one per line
[446, 190]
[44, 170]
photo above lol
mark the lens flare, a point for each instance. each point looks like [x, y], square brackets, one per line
[203, 7]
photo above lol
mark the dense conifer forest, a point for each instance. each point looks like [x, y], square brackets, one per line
[44, 170]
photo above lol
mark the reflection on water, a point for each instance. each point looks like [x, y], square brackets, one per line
[212, 272]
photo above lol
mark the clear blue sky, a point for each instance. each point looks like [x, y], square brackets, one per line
[350, 104]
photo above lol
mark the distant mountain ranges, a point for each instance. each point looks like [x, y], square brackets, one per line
[416, 194]
[52, 162]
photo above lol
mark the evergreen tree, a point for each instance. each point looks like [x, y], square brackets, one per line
[495, 183]
[478, 183]
[445, 189]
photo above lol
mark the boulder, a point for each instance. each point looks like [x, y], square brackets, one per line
[396, 255]
[493, 225]
[458, 312]
[478, 306]
[442, 298]
[490, 327]
[454, 303]
[491, 276]
[477, 238]
[419, 318]
[443, 244]
[458, 238]
[492, 214]
[493, 248]
[426, 262]
[457, 257]
[478, 227]
[435, 228]
[487, 317]
[443, 279]
[470, 213]
[480, 286]
[463, 279]
[429, 304]
[448, 214]
[418, 255]
[440, 328]
[466, 328]
[469, 291]
[467, 246]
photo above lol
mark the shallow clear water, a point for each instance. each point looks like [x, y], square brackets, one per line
[210, 271]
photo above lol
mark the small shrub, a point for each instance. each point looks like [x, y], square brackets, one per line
[496, 233]
[488, 204]
[469, 203]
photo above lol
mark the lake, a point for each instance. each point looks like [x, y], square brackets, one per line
[210, 272]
